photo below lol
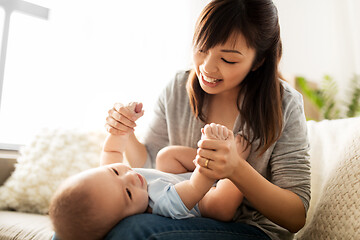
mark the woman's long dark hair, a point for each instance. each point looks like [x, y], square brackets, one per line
[261, 91]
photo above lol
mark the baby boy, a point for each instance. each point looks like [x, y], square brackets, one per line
[89, 204]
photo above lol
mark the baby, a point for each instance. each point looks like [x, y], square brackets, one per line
[89, 204]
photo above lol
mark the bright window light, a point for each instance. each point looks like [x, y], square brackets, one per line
[67, 71]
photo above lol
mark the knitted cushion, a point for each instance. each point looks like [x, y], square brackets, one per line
[326, 138]
[52, 156]
[338, 212]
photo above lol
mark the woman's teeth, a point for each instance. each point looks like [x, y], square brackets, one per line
[210, 80]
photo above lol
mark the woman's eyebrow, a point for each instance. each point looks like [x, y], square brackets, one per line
[231, 51]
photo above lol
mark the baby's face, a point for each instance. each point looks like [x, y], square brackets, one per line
[118, 190]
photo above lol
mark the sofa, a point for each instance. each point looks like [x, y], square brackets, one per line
[28, 183]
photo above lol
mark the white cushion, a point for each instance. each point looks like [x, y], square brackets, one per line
[327, 138]
[334, 148]
[52, 156]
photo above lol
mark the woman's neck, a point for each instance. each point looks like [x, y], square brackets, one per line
[228, 98]
[223, 110]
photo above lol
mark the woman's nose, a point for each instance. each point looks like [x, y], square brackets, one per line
[209, 65]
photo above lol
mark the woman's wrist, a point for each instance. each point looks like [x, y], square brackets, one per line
[239, 169]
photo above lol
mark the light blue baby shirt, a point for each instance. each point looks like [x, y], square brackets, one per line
[163, 198]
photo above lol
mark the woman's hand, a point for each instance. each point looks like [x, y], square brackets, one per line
[121, 118]
[219, 158]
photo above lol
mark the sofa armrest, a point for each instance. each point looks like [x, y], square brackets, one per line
[7, 164]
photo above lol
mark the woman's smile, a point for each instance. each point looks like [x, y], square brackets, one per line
[208, 81]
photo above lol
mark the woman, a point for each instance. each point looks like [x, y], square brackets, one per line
[235, 82]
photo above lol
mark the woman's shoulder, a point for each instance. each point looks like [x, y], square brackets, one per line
[180, 80]
[291, 98]
[176, 88]
[290, 92]
[182, 76]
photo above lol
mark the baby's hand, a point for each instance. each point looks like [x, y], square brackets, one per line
[136, 109]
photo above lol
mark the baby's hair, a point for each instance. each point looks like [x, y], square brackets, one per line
[74, 214]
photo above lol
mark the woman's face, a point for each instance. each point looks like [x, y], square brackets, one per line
[222, 68]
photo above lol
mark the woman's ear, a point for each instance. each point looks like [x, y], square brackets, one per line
[257, 65]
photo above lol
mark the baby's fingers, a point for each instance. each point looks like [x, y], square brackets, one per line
[135, 111]
[138, 107]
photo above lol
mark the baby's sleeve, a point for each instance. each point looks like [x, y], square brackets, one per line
[169, 204]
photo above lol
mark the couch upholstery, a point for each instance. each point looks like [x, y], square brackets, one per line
[18, 225]
[334, 208]
[335, 185]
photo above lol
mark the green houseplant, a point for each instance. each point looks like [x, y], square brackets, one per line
[323, 98]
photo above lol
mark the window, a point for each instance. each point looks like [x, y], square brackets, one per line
[69, 69]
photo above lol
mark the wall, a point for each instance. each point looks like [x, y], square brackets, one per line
[321, 37]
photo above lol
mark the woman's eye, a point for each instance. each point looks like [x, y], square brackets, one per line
[128, 193]
[227, 61]
[115, 171]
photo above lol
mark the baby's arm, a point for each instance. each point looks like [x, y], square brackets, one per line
[115, 145]
[179, 159]
[112, 151]
[193, 190]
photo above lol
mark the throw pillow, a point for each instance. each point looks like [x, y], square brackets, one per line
[326, 137]
[51, 156]
[337, 213]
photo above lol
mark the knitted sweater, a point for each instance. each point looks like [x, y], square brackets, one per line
[285, 164]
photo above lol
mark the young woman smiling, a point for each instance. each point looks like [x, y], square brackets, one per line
[235, 82]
